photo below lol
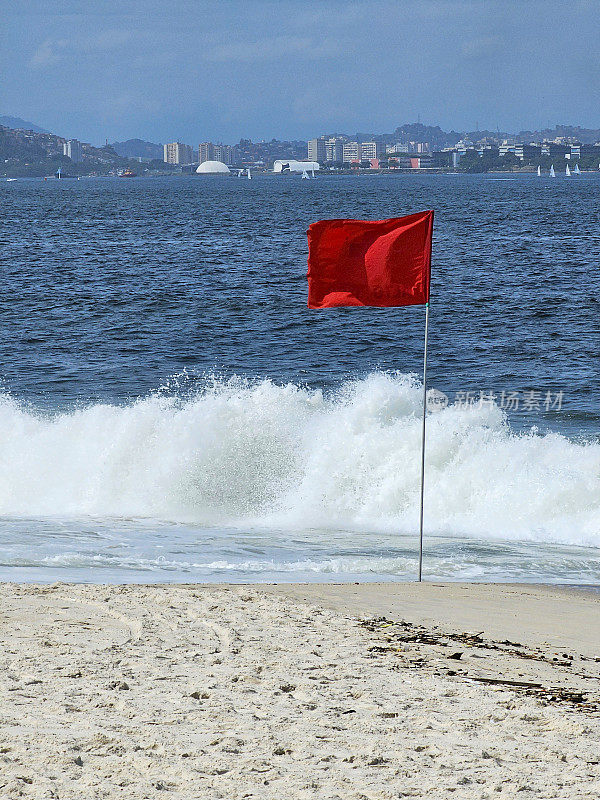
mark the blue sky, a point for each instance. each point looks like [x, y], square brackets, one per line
[221, 70]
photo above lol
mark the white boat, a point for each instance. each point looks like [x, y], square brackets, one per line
[577, 171]
[10, 180]
[539, 171]
[249, 175]
[552, 173]
[568, 172]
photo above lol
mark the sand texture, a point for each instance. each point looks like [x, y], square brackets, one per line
[298, 692]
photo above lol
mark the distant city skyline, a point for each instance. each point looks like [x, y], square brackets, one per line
[291, 69]
[332, 143]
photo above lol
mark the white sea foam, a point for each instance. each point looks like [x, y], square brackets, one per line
[240, 453]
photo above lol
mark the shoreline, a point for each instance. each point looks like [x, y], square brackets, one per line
[492, 607]
[324, 691]
[530, 170]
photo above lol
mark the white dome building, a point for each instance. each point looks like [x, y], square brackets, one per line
[213, 168]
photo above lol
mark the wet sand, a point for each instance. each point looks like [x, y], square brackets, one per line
[299, 691]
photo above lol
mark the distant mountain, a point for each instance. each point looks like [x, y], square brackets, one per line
[414, 132]
[417, 132]
[30, 154]
[476, 136]
[16, 123]
[138, 148]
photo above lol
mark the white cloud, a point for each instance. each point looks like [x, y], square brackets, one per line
[49, 52]
[52, 51]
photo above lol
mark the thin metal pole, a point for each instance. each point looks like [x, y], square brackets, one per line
[423, 445]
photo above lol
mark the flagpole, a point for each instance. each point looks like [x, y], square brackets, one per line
[423, 444]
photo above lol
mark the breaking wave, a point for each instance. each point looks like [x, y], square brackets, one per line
[242, 453]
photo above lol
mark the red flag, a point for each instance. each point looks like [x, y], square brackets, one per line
[356, 263]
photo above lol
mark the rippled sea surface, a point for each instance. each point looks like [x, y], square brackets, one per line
[171, 410]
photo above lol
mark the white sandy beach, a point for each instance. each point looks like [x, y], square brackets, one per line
[285, 692]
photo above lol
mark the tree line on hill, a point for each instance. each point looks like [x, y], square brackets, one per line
[29, 154]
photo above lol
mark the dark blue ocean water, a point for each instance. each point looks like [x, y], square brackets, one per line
[128, 304]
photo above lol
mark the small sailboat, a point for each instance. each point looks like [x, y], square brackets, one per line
[568, 172]
[539, 171]
[552, 173]
[249, 175]
[313, 173]
[577, 171]
[305, 175]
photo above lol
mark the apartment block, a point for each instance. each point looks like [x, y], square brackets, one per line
[72, 149]
[223, 153]
[206, 152]
[334, 149]
[177, 153]
[317, 150]
[371, 150]
[351, 152]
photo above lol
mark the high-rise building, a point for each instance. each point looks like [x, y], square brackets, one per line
[177, 153]
[334, 149]
[221, 154]
[317, 150]
[224, 153]
[371, 150]
[72, 149]
[351, 151]
[206, 152]
[362, 151]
